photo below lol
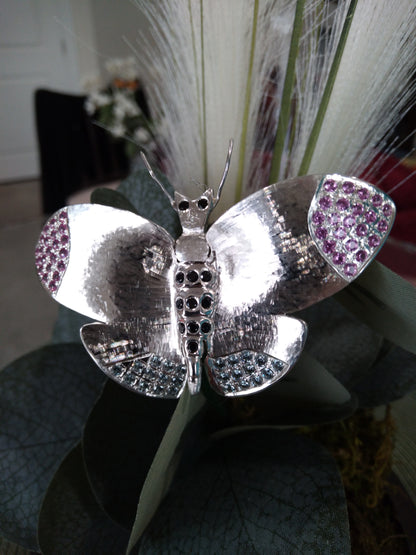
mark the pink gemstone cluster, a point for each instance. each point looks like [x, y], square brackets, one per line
[349, 220]
[52, 251]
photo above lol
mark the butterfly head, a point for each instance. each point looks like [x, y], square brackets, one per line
[193, 213]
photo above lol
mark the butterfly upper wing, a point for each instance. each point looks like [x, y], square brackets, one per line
[276, 249]
[106, 263]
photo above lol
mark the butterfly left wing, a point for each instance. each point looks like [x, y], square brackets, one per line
[138, 355]
[108, 264]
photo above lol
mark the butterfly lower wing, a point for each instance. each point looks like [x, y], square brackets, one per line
[138, 357]
[106, 263]
[252, 352]
[279, 251]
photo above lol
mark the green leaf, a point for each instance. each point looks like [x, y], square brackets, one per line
[340, 342]
[404, 456]
[385, 302]
[307, 395]
[110, 197]
[45, 398]
[67, 326]
[71, 520]
[149, 201]
[259, 491]
[8, 548]
[164, 464]
[390, 378]
[121, 437]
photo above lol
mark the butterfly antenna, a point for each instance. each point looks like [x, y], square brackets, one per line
[153, 176]
[226, 168]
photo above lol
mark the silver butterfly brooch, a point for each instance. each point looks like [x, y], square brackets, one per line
[214, 299]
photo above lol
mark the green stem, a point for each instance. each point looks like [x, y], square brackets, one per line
[204, 111]
[313, 138]
[243, 138]
[287, 93]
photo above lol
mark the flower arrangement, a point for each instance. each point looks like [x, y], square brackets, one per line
[302, 86]
[120, 107]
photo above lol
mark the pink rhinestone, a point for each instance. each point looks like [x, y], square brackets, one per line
[334, 218]
[48, 267]
[64, 239]
[61, 266]
[387, 210]
[361, 230]
[351, 245]
[373, 241]
[350, 269]
[321, 233]
[382, 226]
[63, 228]
[56, 276]
[377, 200]
[52, 286]
[357, 209]
[325, 202]
[370, 216]
[348, 187]
[340, 233]
[52, 221]
[330, 185]
[328, 247]
[318, 218]
[45, 277]
[360, 256]
[338, 258]
[63, 253]
[349, 221]
[363, 194]
[53, 257]
[55, 243]
[62, 215]
[342, 204]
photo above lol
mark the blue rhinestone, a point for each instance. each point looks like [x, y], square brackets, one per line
[244, 383]
[117, 369]
[156, 361]
[250, 368]
[223, 376]
[129, 379]
[159, 389]
[173, 390]
[182, 369]
[219, 363]
[246, 356]
[268, 373]
[261, 360]
[168, 365]
[237, 373]
[230, 388]
[163, 377]
[149, 374]
[277, 365]
[233, 359]
[144, 386]
[258, 380]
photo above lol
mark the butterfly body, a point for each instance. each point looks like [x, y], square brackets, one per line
[214, 299]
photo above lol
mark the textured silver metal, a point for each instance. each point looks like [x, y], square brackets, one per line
[218, 298]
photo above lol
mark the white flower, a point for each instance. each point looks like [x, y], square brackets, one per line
[142, 135]
[118, 130]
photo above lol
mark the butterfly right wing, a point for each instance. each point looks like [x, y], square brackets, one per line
[297, 242]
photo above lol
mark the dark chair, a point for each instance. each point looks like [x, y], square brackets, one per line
[74, 153]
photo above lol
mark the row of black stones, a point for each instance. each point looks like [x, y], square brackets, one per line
[192, 276]
[157, 376]
[246, 370]
[193, 327]
[191, 302]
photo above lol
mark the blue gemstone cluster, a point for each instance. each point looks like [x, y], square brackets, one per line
[245, 371]
[155, 376]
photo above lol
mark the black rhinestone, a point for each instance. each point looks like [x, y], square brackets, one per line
[202, 203]
[179, 303]
[223, 376]
[191, 302]
[180, 276]
[163, 377]
[159, 389]
[233, 359]
[258, 380]
[206, 276]
[230, 388]
[246, 356]
[182, 369]
[183, 205]
[181, 327]
[249, 368]
[156, 361]
[220, 363]
[129, 379]
[277, 365]
[117, 369]
[237, 373]
[193, 327]
[205, 327]
[244, 383]
[268, 373]
[192, 276]
[192, 346]
[206, 302]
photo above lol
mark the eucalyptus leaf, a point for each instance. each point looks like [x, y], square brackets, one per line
[164, 464]
[260, 491]
[385, 302]
[149, 200]
[110, 197]
[71, 521]
[8, 548]
[340, 342]
[45, 398]
[121, 437]
[392, 377]
[67, 326]
[308, 394]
